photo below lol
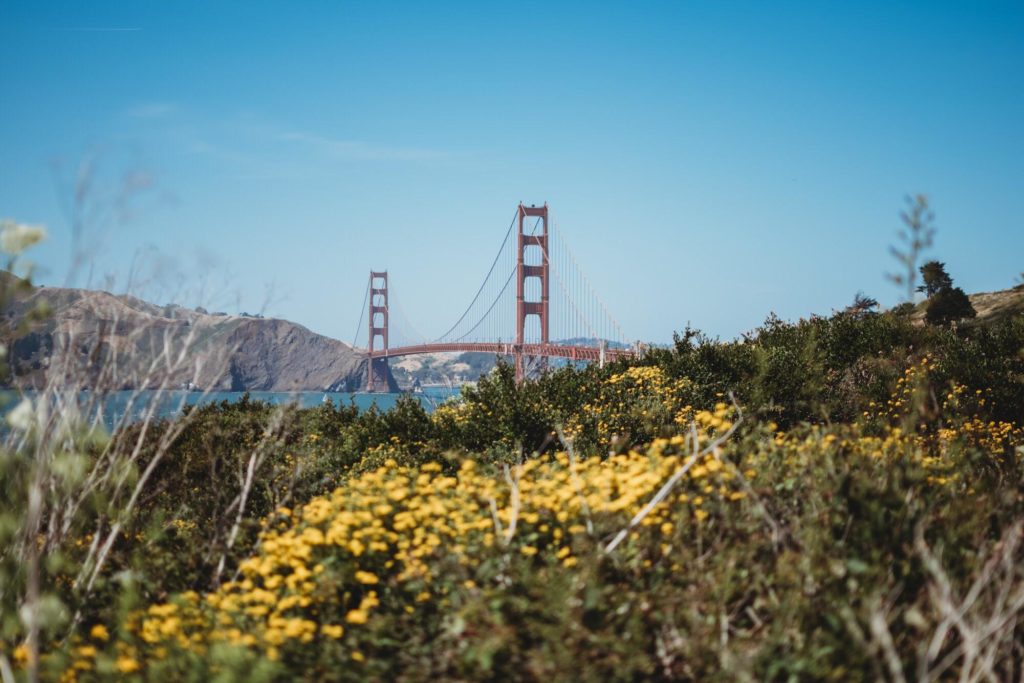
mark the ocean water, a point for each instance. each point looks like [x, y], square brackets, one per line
[169, 404]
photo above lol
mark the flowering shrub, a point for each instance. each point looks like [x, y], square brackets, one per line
[409, 571]
[632, 406]
[404, 539]
[503, 418]
[870, 501]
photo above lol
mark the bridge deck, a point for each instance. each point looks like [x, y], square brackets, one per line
[589, 353]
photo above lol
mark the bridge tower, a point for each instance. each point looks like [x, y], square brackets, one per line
[525, 308]
[377, 368]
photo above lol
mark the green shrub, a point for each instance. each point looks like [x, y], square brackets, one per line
[949, 305]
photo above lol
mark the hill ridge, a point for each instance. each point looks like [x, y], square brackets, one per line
[236, 352]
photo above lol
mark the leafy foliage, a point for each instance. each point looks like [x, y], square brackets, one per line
[949, 305]
[415, 572]
[935, 278]
[946, 303]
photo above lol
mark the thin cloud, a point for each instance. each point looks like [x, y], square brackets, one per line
[151, 110]
[256, 168]
[357, 149]
[98, 29]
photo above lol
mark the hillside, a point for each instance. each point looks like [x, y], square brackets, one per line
[462, 368]
[232, 353]
[991, 307]
[434, 369]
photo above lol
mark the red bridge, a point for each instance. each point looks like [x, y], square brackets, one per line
[582, 326]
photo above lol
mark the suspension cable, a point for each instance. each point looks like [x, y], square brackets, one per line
[511, 275]
[493, 304]
[593, 292]
[362, 312]
[580, 315]
[486, 278]
[407, 322]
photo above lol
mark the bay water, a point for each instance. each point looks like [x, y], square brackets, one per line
[168, 404]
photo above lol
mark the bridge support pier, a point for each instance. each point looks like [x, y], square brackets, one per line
[377, 368]
[524, 308]
[377, 375]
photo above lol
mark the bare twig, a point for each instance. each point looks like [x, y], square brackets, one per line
[577, 484]
[666, 488]
[514, 501]
[256, 459]
[882, 638]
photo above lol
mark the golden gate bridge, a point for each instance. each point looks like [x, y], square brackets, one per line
[531, 321]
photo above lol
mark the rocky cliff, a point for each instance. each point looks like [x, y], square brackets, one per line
[124, 342]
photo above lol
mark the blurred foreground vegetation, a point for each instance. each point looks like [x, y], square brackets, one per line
[846, 502]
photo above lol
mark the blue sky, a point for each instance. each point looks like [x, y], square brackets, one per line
[709, 162]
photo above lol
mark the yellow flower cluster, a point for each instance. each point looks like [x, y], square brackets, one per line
[991, 436]
[324, 568]
[393, 448]
[994, 437]
[454, 413]
[88, 655]
[636, 402]
[910, 387]
[930, 451]
[183, 525]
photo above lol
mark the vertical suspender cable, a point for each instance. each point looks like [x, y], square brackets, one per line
[362, 312]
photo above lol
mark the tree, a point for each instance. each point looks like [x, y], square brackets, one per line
[862, 305]
[935, 278]
[947, 305]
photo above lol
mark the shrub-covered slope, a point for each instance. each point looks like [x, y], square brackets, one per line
[839, 498]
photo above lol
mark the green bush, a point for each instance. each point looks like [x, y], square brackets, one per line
[949, 305]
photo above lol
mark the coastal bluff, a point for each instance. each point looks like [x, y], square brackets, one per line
[85, 331]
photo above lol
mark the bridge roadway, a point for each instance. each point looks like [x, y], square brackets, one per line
[589, 353]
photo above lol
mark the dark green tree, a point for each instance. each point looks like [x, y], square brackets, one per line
[862, 305]
[948, 305]
[935, 278]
